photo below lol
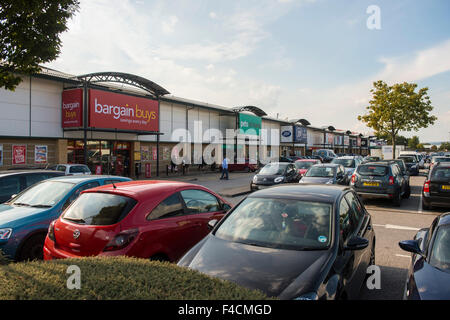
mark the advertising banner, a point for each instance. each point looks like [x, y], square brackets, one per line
[338, 140]
[300, 134]
[98, 170]
[154, 153]
[249, 124]
[358, 141]
[346, 140]
[364, 143]
[40, 154]
[166, 153]
[19, 154]
[329, 138]
[72, 108]
[1, 155]
[109, 110]
[286, 134]
[148, 170]
[145, 153]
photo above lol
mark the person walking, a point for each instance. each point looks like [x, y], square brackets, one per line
[224, 169]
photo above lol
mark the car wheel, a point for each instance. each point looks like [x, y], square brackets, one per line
[407, 192]
[372, 256]
[397, 201]
[33, 248]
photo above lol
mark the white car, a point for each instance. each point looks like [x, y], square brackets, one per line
[72, 169]
[420, 160]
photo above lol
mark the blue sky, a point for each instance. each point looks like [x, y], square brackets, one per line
[313, 59]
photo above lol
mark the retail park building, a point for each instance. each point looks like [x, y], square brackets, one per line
[117, 123]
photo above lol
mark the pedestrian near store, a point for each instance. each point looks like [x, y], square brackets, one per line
[224, 169]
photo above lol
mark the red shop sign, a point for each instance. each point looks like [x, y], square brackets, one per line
[19, 154]
[148, 170]
[119, 111]
[72, 108]
[98, 170]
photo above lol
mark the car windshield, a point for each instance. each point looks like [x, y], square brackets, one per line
[304, 164]
[408, 159]
[279, 223]
[442, 159]
[99, 209]
[273, 169]
[44, 194]
[348, 163]
[319, 171]
[440, 254]
[371, 170]
[441, 174]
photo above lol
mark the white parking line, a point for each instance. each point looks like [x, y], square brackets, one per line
[419, 210]
[393, 226]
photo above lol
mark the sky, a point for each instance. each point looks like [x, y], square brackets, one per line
[310, 59]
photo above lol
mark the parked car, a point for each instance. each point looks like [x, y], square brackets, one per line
[411, 164]
[24, 220]
[325, 173]
[380, 180]
[326, 154]
[404, 171]
[435, 160]
[159, 220]
[436, 189]
[72, 169]
[303, 165]
[303, 242]
[429, 272]
[349, 162]
[274, 173]
[419, 159]
[370, 159]
[13, 182]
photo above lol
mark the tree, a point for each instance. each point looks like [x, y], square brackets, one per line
[398, 108]
[399, 139]
[29, 35]
[434, 147]
[420, 146]
[445, 146]
[413, 142]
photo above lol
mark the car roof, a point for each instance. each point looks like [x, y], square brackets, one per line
[143, 189]
[376, 163]
[307, 160]
[347, 157]
[69, 164]
[305, 192]
[10, 173]
[442, 165]
[327, 165]
[444, 219]
[82, 178]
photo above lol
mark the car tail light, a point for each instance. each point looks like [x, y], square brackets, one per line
[121, 240]
[426, 187]
[51, 230]
[354, 178]
[391, 180]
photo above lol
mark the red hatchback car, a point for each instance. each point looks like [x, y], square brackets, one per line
[303, 165]
[159, 220]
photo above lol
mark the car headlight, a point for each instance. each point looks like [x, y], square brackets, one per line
[255, 179]
[5, 233]
[278, 180]
[308, 296]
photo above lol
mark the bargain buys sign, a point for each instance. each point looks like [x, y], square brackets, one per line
[72, 108]
[109, 110]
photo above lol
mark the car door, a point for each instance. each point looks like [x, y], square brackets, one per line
[348, 261]
[9, 186]
[202, 206]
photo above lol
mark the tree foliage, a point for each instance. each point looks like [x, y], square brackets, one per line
[445, 146]
[398, 108]
[414, 142]
[30, 35]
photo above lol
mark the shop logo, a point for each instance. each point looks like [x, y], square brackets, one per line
[286, 133]
[76, 234]
[71, 106]
[126, 111]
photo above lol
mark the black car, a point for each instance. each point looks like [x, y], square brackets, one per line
[429, 272]
[436, 189]
[325, 173]
[404, 171]
[304, 242]
[411, 164]
[380, 180]
[13, 182]
[274, 173]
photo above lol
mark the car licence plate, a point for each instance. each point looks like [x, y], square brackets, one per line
[371, 184]
[445, 187]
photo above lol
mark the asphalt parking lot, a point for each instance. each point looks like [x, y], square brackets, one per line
[392, 224]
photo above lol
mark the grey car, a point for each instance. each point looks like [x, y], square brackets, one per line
[325, 173]
[380, 180]
[350, 163]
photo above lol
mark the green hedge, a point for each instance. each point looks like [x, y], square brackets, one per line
[115, 278]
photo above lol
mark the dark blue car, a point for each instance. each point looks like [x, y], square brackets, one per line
[24, 220]
[429, 273]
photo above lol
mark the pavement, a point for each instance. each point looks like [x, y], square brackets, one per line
[392, 224]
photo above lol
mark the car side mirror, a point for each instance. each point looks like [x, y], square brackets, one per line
[356, 243]
[13, 196]
[212, 223]
[411, 246]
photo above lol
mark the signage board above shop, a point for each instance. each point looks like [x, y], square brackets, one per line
[109, 110]
[249, 124]
[286, 134]
[72, 108]
[300, 134]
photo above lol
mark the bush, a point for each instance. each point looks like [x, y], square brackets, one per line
[115, 278]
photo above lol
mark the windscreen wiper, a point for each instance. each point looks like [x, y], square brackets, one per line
[41, 206]
[21, 204]
[75, 220]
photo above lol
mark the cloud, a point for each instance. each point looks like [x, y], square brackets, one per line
[168, 26]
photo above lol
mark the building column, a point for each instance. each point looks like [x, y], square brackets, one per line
[61, 151]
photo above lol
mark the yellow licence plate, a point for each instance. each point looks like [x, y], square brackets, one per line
[445, 187]
[371, 184]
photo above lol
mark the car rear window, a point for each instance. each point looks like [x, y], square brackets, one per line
[441, 174]
[371, 170]
[99, 209]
